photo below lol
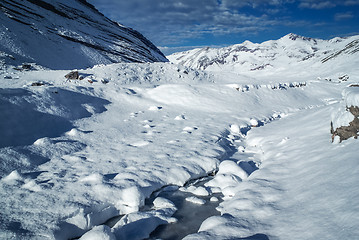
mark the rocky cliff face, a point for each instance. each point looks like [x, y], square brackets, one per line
[67, 34]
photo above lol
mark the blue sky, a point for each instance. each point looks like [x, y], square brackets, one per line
[181, 25]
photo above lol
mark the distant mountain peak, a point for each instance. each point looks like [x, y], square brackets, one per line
[294, 37]
[285, 52]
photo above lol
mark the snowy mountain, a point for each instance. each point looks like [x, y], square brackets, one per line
[67, 34]
[286, 52]
[164, 151]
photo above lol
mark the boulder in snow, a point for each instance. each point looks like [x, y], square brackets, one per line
[346, 123]
[73, 75]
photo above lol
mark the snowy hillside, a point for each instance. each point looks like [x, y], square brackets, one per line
[127, 147]
[67, 34]
[287, 52]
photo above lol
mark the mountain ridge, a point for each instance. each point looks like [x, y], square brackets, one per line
[65, 34]
[290, 49]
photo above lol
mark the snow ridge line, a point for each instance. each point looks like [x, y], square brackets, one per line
[350, 48]
[274, 86]
[237, 134]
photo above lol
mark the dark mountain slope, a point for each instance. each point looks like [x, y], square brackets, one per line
[67, 34]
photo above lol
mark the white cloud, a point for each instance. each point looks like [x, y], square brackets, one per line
[317, 4]
[168, 22]
[351, 2]
[253, 3]
[171, 22]
[343, 16]
[323, 4]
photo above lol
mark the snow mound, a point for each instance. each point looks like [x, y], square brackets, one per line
[195, 200]
[161, 202]
[351, 95]
[101, 232]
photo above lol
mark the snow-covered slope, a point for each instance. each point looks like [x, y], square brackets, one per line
[287, 52]
[67, 34]
[83, 158]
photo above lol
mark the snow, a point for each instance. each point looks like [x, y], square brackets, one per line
[342, 118]
[351, 96]
[235, 129]
[154, 108]
[161, 202]
[291, 52]
[76, 154]
[214, 199]
[138, 225]
[180, 117]
[230, 167]
[99, 232]
[195, 200]
[198, 191]
[67, 35]
[253, 122]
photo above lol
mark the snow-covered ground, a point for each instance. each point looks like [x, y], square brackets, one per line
[76, 153]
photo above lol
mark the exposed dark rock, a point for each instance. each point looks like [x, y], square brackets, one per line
[26, 67]
[105, 81]
[346, 132]
[73, 75]
[343, 78]
[260, 67]
[354, 110]
[350, 48]
[48, 6]
[293, 36]
[37, 84]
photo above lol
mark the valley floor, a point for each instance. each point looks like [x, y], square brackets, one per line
[77, 153]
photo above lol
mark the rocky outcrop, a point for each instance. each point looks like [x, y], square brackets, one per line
[346, 132]
[73, 75]
[350, 127]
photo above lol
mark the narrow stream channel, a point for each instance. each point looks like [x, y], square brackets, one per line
[189, 215]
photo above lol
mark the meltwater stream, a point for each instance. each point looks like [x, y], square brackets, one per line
[189, 215]
[193, 207]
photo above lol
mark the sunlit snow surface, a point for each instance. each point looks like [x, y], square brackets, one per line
[77, 153]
